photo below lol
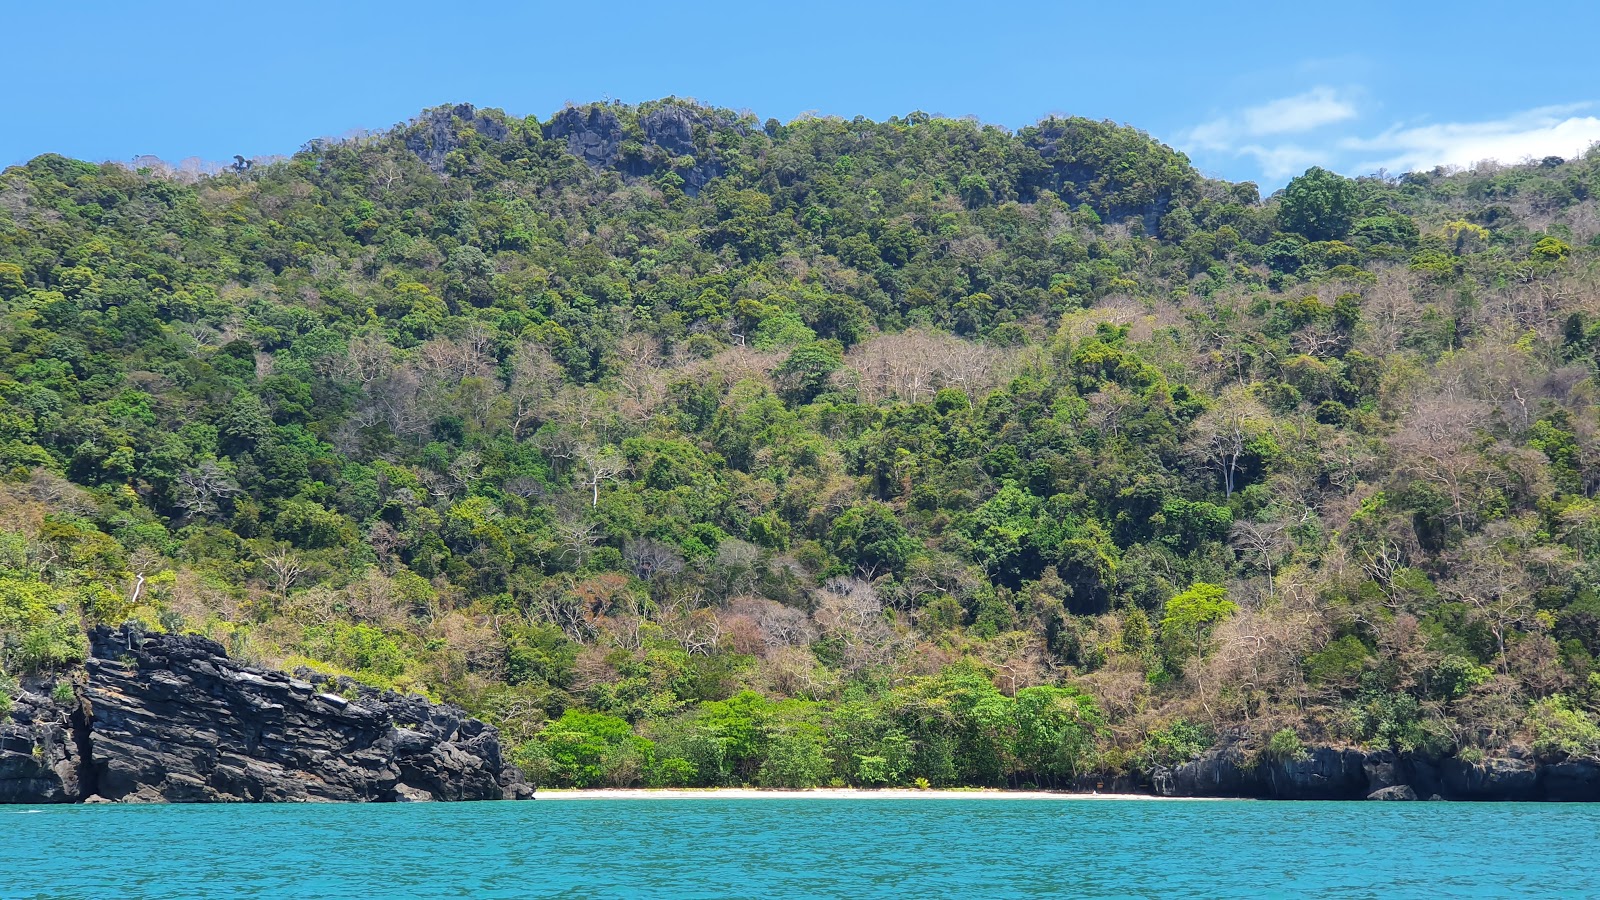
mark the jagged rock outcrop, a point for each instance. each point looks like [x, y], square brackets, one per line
[40, 757]
[597, 136]
[438, 132]
[1330, 773]
[170, 718]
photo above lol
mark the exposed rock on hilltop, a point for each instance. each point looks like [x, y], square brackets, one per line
[437, 132]
[666, 136]
[168, 718]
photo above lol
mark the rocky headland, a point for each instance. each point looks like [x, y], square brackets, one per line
[166, 718]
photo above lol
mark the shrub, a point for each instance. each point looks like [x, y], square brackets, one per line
[674, 771]
[587, 749]
[39, 629]
[361, 648]
[1178, 742]
[795, 759]
[1561, 729]
[1284, 746]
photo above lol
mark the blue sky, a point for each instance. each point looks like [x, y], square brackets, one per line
[1250, 90]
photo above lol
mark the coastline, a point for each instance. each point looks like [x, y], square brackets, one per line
[831, 794]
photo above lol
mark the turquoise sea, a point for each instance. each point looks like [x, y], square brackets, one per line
[802, 848]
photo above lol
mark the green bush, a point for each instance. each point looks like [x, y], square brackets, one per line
[39, 629]
[1178, 742]
[1284, 746]
[796, 758]
[1560, 728]
[586, 749]
[360, 648]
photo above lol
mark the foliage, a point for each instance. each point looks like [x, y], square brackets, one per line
[1284, 746]
[1561, 728]
[1320, 205]
[827, 451]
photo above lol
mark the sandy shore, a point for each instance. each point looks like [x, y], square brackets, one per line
[824, 794]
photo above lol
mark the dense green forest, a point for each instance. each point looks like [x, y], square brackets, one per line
[690, 449]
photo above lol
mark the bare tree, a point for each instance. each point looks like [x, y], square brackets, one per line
[535, 378]
[649, 560]
[202, 489]
[1494, 585]
[781, 626]
[913, 365]
[1220, 438]
[1433, 446]
[558, 445]
[1264, 540]
[368, 358]
[283, 567]
[578, 535]
[849, 609]
[599, 466]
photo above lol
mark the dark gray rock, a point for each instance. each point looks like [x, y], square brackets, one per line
[1327, 773]
[164, 718]
[40, 756]
[1229, 770]
[593, 134]
[1571, 780]
[1511, 777]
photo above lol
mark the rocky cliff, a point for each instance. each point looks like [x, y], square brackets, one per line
[1330, 773]
[157, 718]
[664, 139]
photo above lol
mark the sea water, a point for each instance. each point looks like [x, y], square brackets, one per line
[801, 847]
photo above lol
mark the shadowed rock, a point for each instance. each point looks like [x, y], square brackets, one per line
[1329, 773]
[170, 718]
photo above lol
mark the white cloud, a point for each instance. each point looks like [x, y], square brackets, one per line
[1303, 112]
[1283, 161]
[1309, 111]
[1546, 131]
[1261, 133]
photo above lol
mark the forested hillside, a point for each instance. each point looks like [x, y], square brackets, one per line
[691, 449]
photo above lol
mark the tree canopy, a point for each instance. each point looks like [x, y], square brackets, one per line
[693, 449]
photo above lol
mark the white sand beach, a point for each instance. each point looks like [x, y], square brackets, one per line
[825, 794]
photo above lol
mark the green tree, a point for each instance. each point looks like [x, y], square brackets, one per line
[1190, 617]
[1320, 205]
[803, 375]
[589, 749]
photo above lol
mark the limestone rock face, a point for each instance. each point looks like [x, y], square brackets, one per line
[439, 132]
[664, 140]
[1228, 770]
[163, 718]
